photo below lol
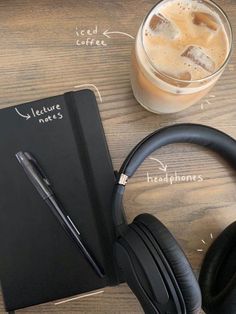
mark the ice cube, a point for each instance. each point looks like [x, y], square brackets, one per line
[198, 56]
[173, 79]
[203, 18]
[160, 25]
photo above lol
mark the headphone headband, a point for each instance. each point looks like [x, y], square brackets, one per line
[202, 135]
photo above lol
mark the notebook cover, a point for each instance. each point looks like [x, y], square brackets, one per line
[38, 260]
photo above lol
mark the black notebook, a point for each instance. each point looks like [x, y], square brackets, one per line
[38, 260]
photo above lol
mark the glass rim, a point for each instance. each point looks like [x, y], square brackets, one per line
[212, 75]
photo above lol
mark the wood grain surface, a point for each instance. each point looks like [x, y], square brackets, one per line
[39, 58]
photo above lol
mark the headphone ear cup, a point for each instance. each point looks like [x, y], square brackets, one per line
[143, 274]
[218, 274]
[128, 266]
[177, 261]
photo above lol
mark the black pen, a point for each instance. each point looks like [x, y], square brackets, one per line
[42, 185]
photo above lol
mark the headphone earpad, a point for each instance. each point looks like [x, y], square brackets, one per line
[177, 261]
[130, 270]
[218, 274]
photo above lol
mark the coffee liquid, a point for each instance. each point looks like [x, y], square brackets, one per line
[185, 40]
[178, 50]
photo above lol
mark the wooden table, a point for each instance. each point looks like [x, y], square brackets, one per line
[40, 57]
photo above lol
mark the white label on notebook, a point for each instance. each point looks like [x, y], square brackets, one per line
[44, 114]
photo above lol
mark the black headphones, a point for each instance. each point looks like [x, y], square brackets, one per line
[150, 259]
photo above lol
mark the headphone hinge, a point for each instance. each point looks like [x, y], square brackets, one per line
[123, 179]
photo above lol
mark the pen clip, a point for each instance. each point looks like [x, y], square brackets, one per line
[31, 159]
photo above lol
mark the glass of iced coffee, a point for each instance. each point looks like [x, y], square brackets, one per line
[181, 49]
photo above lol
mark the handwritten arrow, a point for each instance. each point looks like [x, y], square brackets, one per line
[163, 167]
[107, 33]
[92, 85]
[27, 117]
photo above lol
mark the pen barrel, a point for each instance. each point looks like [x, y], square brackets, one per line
[59, 214]
[40, 186]
[73, 232]
[40, 182]
[34, 175]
